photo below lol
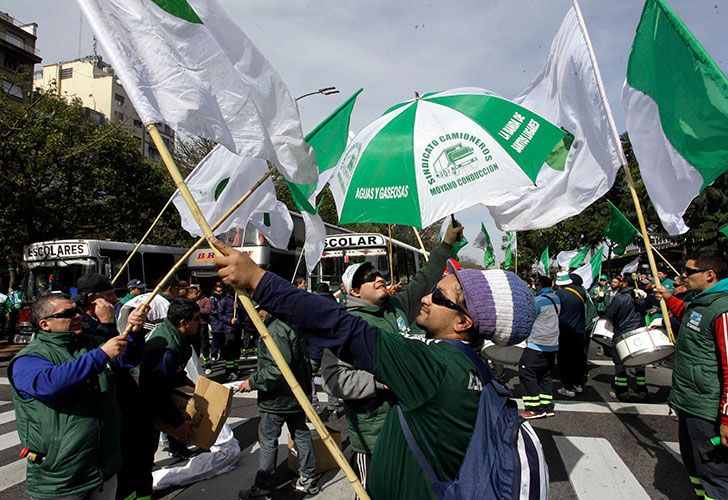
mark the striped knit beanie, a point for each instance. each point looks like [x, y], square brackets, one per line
[499, 302]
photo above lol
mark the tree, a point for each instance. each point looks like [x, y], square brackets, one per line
[64, 176]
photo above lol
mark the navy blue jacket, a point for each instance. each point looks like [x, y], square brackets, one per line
[215, 320]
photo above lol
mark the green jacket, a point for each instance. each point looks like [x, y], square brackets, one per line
[695, 371]
[363, 408]
[167, 336]
[274, 393]
[78, 433]
[126, 298]
[601, 303]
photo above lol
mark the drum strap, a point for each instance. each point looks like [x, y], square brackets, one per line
[576, 293]
[553, 304]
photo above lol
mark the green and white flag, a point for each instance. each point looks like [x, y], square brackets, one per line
[590, 271]
[544, 262]
[459, 244]
[187, 64]
[482, 241]
[275, 224]
[511, 249]
[724, 230]
[619, 229]
[584, 165]
[328, 140]
[571, 259]
[218, 182]
[438, 154]
[631, 267]
[675, 103]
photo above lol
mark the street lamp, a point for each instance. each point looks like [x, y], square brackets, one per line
[324, 91]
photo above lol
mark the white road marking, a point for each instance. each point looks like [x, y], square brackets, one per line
[608, 407]
[596, 471]
[12, 474]
[674, 449]
[7, 416]
[9, 440]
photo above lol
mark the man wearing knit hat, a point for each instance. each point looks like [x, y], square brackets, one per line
[436, 385]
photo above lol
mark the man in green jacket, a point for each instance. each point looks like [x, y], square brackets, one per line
[277, 405]
[364, 398]
[700, 373]
[65, 401]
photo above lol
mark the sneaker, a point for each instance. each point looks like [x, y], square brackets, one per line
[256, 493]
[549, 413]
[578, 389]
[307, 485]
[642, 394]
[621, 396]
[233, 377]
[566, 392]
[530, 414]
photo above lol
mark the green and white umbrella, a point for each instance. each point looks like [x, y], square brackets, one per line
[439, 154]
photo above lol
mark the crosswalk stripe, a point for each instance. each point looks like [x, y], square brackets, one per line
[609, 407]
[4, 381]
[596, 471]
[9, 440]
[674, 449]
[12, 474]
[7, 416]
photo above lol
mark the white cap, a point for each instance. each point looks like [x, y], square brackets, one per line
[563, 278]
[348, 277]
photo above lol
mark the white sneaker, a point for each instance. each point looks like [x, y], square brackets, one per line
[578, 389]
[208, 371]
[566, 392]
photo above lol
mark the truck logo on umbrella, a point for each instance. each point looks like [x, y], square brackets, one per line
[452, 159]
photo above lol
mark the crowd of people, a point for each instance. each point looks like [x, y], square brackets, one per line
[395, 358]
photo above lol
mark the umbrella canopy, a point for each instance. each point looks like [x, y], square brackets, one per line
[440, 153]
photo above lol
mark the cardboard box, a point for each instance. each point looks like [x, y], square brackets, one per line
[324, 461]
[209, 405]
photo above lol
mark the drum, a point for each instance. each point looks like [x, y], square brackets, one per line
[603, 333]
[643, 346]
[506, 355]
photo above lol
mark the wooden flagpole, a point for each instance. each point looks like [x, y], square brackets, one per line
[144, 238]
[422, 245]
[677, 273]
[625, 167]
[298, 264]
[301, 396]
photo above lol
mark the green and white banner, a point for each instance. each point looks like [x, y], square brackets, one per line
[544, 262]
[590, 271]
[511, 250]
[444, 152]
[482, 241]
[571, 259]
[675, 103]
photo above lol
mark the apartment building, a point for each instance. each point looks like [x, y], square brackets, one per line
[18, 56]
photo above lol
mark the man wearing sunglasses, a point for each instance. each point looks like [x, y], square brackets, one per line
[700, 372]
[367, 298]
[435, 384]
[65, 402]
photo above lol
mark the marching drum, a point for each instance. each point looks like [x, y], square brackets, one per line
[506, 355]
[603, 333]
[643, 346]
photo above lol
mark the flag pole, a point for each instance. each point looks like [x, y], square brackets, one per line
[288, 375]
[422, 245]
[144, 238]
[625, 165]
[677, 273]
[298, 264]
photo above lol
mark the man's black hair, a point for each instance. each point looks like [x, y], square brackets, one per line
[711, 260]
[322, 288]
[43, 307]
[576, 279]
[180, 309]
[544, 281]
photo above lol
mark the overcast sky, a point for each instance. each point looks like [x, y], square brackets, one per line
[393, 48]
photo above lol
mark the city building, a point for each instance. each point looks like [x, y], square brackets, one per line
[93, 81]
[18, 55]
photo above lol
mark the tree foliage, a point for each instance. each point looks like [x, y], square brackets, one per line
[64, 176]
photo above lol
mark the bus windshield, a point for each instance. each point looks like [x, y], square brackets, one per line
[57, 276]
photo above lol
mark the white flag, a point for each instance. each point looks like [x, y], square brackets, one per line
[275, 223]
[218, 182]
[576, 175]
[631, 267]
[186, 64]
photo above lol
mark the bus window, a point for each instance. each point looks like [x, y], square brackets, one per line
[156, 266]
[116, 260]
[135, 270]
[56, 276]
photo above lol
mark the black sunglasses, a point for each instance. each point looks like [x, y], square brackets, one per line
[439, 298]
[65, 314]
[369, 278]
[689, 271]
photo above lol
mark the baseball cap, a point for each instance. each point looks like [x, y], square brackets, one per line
[353, 274]
[135, 283]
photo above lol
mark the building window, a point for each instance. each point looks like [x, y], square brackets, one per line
[66, 73]
[11, 62]
[12, 89]
[119, 99]
[138, 123]
[118, 116]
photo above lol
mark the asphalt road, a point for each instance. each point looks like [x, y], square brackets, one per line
[595, 446]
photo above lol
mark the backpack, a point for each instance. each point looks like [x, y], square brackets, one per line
[504, 459]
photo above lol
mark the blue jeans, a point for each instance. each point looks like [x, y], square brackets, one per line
[269, 430]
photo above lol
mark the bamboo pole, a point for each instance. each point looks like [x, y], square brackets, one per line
[677, 273]
[298, 264]
[202, 240]
[422, 245]
[301, 396]
[144, 238]
[625, 167]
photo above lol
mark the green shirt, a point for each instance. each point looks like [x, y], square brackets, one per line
[439, 392]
